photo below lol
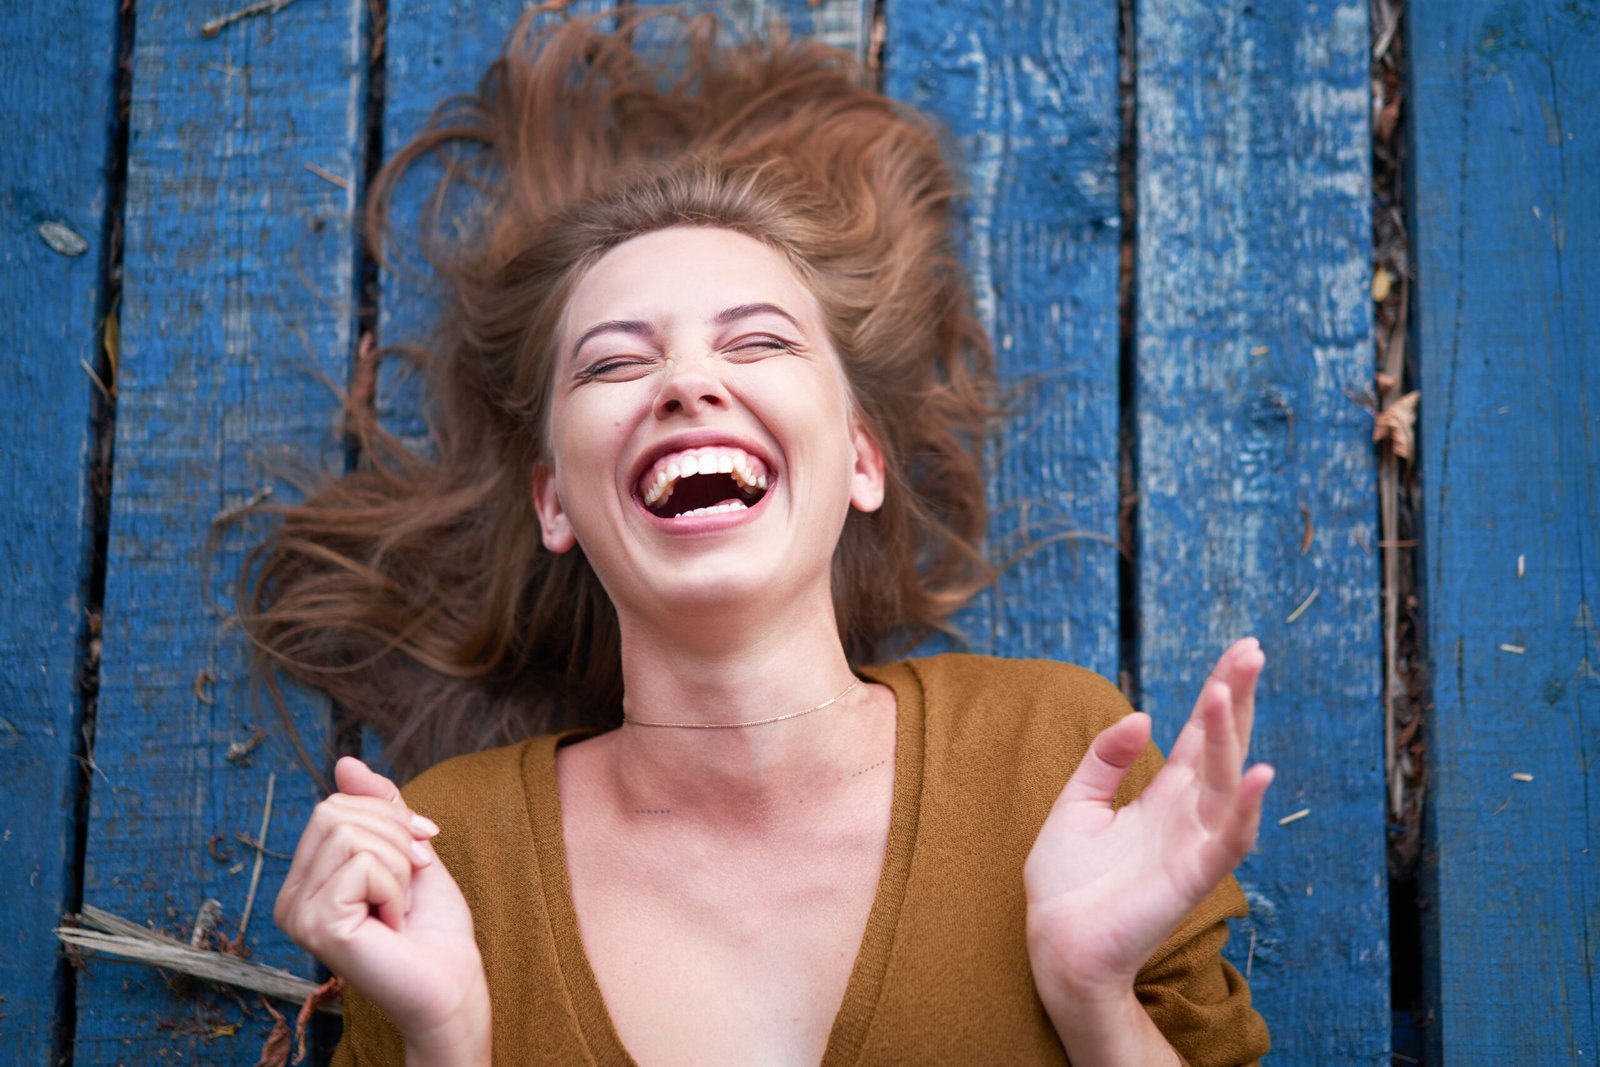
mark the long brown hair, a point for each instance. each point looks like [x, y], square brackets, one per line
[414, 590]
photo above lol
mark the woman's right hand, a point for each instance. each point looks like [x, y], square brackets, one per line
[367, 895]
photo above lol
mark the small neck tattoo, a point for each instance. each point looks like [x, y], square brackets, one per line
[753, 722]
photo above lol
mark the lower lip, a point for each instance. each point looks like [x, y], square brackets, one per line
[705, 524]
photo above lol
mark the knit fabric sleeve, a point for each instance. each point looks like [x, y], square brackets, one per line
[369, 1038]
[1198, 1001]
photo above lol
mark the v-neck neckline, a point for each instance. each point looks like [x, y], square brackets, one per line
[867, 974]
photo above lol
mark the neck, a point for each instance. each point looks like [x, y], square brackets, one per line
[720, 675]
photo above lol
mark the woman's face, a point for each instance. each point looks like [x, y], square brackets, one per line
[704, 450]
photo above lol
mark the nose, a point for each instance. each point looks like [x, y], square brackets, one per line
[691, 386]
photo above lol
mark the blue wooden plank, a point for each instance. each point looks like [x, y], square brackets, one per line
[1028, 88]
[57, 67]
[1254, 330]
[844, 24]
[1507, 208]
[237, 321]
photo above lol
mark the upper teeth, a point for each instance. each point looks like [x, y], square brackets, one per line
[657, 485]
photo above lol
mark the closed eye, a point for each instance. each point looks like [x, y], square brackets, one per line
[616, 369]
[762, 343]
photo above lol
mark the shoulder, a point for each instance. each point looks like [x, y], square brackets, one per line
[1016, 725]
[479, 801]
[1001, 697]
[468, 780]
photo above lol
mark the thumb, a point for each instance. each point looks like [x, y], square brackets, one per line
[356, 778]
[1106, 763]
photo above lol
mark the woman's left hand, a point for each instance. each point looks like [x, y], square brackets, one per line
[1106, 887]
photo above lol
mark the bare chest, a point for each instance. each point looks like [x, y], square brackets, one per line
[722, 952]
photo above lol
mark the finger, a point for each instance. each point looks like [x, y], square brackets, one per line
[398, 832]
[1223, 760]
[416, 825]
[357, 890]
[357, 778]
[339, 908]
[1240, 669]
[1190, 747]
[395, 824]
[344, 844]
[1241, 837]
[1106, 764]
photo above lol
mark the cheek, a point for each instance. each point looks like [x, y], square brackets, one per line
[588, 434]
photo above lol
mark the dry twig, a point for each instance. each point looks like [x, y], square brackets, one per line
[227, 515]
[1304, 604]
[328, 175]
[261, 7]
[255, 873]
[100, 931]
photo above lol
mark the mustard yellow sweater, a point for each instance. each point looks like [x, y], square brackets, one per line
[983, 748]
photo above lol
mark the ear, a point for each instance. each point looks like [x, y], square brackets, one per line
[553, 523]
[866, 478]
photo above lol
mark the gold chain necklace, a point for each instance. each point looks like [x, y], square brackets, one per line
[754, 722]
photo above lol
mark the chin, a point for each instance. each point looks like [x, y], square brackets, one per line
[707, 593]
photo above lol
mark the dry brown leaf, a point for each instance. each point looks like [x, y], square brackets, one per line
[1397, 425]
[1387, 119]
[275, 1051]
[333, 987]
[1382, 283]
[113, 342]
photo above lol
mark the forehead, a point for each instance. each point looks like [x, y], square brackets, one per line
[689, 273]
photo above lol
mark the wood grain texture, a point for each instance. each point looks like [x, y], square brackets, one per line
[57, 65]
[1253, 338]
[236, 326]
[1028, 89]
[1507, 149]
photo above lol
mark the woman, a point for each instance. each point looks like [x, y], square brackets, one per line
[711, 394]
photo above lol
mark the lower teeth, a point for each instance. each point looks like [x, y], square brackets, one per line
[716, 509]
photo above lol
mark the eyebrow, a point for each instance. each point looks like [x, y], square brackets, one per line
[644, 329]
[745, 311]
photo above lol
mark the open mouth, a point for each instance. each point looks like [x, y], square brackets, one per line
[703, 481]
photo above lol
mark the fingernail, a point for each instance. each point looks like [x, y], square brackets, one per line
[423, 825]
[421, 854]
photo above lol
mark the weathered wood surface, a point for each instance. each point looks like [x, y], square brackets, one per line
[237, 321]
[1507, 230]
[56, 83]
[1029, 90]
[1256, 476]
[238, 327]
